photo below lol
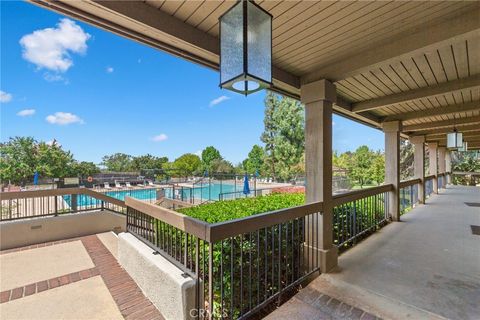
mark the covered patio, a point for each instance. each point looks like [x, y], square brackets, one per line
[426, 267]
[410, 69]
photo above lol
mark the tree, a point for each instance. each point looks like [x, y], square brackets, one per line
[21, 157]
[270, 132]
[221, 166]
[283, 135]
[187, 164]
[361, 164]
[377, 172]
[147, 162]
[468, 161]
[255, 161]
[118, 162]
[406, 159]
[210, 154]
[84, 169]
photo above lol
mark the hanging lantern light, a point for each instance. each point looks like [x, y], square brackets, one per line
[245, 48]
[454, 140]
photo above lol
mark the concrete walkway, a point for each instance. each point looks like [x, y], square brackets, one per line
[425, 267]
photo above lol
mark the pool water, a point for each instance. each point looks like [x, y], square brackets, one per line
[200, 192]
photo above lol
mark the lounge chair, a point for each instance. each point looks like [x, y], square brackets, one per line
[150, 183]
[128, 185]
[107, 185]
[118, 185]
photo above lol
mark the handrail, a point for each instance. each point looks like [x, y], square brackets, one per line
[222, 230]
[411, 182]
[180, 221]
[343, 198]
[60, 192]
[432, 176]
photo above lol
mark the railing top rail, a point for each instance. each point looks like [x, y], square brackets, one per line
[430, 177]
[343, 198]
[222, 230]
[466, 173]
[39, 193]
[59, 192]
[180, 221]
[410, 182]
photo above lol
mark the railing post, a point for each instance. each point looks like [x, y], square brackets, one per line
[448, 166]
[74, 203]
[441, 164]
[56, 206]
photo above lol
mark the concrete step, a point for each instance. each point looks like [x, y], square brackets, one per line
[369, 301]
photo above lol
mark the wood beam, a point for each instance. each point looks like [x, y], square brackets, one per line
[447, 110]
[430, 91]
[445, 123]
[424, 38]
[467, 128]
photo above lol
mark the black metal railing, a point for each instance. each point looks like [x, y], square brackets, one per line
[40, 203]
[408, 195]
[242, 265]
[429, 185]
[358, 214]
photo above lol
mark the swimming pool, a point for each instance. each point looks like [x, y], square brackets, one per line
[203, 192]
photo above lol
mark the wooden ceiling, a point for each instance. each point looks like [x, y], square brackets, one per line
[417, 62]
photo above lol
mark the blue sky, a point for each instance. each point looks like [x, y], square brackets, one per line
[98, 93]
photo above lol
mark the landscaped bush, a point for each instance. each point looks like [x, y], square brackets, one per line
[233, 209]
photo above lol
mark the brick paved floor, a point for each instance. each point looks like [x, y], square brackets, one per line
[127, 295]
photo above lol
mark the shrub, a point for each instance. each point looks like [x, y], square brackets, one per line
[233, 209]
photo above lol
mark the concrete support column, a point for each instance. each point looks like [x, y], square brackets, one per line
[318, 98]
[392, 131]
[448, 166]
[419, 164]
[441, 164]
[432, 151]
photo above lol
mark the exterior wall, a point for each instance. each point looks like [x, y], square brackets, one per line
[172, 293]
[19, 233]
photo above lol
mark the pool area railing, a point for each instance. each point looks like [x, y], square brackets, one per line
[53, 202]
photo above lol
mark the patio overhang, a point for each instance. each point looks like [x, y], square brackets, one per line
[416, 62]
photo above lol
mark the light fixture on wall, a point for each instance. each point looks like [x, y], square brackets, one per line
[245, 48]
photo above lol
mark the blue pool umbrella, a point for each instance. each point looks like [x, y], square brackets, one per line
[246, 187]
[35, 178]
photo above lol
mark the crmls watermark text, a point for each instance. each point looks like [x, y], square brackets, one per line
[205, 313]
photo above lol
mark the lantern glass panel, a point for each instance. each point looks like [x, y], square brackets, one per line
[459, 140]
[241, 85]
[231, 44]
[451, 140]
[259, 43]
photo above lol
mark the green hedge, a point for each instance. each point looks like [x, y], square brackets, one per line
[240, 208]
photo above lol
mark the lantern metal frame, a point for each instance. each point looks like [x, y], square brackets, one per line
[464, 147]
[262, 84]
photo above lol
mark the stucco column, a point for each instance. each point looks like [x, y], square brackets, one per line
[419, 164]
[441, 164]
[392, 131]
[318, 98]
[448, 166]
[432, 155]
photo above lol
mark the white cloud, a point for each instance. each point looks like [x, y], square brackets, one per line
[26, 113]
[52, 77]
[63, 118]
[5, 97]
[218, 100]
[50, 48]
[198, 153]
[109, 69]
[160, 137]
